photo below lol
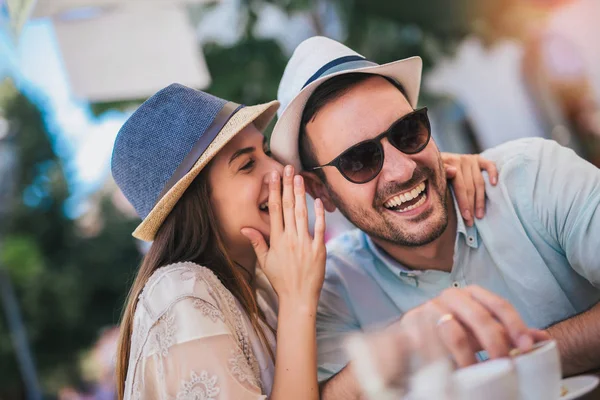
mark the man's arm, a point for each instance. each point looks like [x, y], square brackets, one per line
[343, 385]
[566, 202]
[578, 340]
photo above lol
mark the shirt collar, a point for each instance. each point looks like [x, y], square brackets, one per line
[468, 234]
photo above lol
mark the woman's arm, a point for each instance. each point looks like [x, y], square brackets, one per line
[295, 266]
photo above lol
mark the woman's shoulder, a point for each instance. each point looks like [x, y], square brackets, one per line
[175, 282]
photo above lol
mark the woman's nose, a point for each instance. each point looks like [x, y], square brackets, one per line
[273, 166]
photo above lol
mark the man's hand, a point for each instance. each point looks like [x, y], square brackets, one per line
[459, 323]
[470, 320]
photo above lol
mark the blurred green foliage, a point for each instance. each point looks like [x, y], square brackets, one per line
[68, 286]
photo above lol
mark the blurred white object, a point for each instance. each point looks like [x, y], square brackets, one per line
[539, 372]
[433, 381]
[128, 51]
[18, 12]
[366, 371]
[56, 8]
[401, 362]
[490, 380]
[488, 83]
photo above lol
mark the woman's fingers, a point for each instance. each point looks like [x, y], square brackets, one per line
[287, 200]
[467, 174]
[460, 191]
[450, 171]
[479, 185]
[491, 169]
[300, 207]
[258, 244]
[319, 238]
[275, 216]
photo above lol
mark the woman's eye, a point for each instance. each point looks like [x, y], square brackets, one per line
[247, 165]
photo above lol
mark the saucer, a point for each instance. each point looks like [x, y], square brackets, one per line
[578, 386]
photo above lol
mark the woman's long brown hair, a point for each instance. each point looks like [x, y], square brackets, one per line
[189, 233]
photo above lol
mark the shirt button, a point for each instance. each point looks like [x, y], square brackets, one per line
[471, 239]
[455, 284]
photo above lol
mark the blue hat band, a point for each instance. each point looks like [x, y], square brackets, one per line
[224, 115]
[340, 64]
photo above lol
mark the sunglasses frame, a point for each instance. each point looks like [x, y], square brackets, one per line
[377, 140]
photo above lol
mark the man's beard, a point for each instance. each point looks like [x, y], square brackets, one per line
[383, 228]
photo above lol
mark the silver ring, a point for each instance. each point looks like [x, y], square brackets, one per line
[444, 318]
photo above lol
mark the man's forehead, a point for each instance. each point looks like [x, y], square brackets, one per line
[359, 114]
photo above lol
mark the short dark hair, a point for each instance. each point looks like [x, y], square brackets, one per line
[330, 90]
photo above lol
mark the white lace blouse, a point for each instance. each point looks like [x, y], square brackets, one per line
[192, 340]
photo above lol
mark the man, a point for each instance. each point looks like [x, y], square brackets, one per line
[351, 126]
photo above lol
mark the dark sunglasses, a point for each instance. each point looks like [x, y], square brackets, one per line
[362, 162]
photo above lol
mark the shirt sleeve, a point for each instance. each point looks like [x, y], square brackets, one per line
[192, 354]
[335, 321]
[565, 199]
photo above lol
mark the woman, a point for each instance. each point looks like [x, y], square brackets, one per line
[200, 318]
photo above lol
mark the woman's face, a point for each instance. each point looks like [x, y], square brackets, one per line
[239, 193]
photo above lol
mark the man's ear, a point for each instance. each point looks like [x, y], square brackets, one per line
[315, 187]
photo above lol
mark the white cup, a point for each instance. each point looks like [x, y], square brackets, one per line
[539, 372]
[489, 380]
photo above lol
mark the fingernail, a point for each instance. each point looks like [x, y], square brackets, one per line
[494, 180]
[525, 342]
[467, 214]
[274, 176]
[288, 170]
[318, 203]
[298, 180]
[480, 213]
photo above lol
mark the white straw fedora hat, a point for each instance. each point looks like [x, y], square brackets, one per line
[168, 140]
[314, 61]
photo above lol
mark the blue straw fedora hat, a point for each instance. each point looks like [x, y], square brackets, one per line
[314, 61]
[167, 141]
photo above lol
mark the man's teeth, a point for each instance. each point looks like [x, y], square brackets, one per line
[404, 197]
[264, 207]
[417, 204]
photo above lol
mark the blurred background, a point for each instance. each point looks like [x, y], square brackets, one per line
[71, 71]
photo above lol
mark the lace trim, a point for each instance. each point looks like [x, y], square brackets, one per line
[163, 336]
[229, 307]
[221, 295]
[208, 310]
[239, 368]
[199, 387]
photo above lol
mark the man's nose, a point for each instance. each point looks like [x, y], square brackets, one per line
[397, 166]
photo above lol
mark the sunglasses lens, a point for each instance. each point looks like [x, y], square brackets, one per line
[410, 135]
[361, 163]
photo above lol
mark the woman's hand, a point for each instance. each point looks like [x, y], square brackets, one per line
[465, 172]
[294, 262]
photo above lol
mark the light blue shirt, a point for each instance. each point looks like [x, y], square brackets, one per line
[538, 246]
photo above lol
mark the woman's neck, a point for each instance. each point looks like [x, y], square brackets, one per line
[247, 267]
[246, 273]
